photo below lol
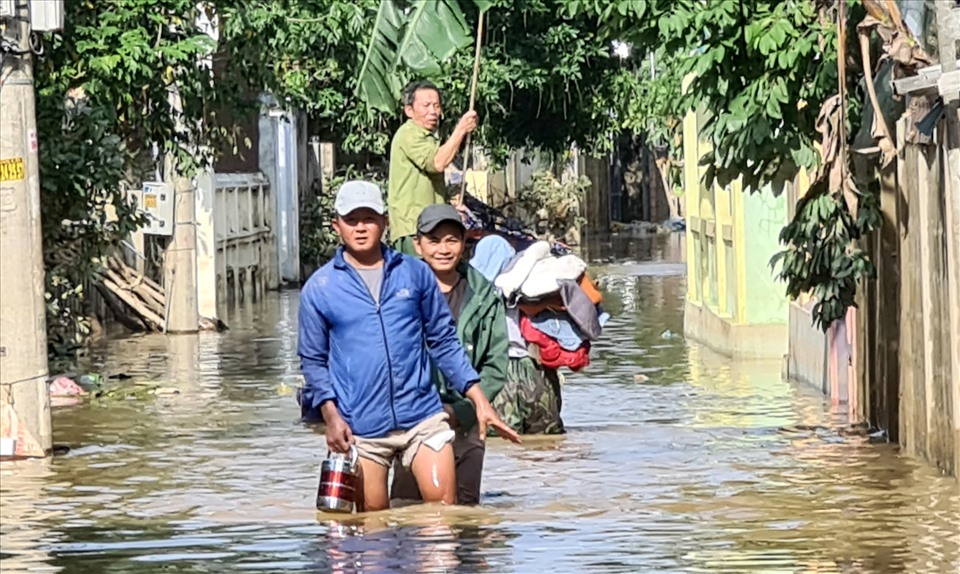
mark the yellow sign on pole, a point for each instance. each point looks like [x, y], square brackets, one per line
[12, 169]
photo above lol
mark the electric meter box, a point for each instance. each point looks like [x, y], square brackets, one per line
[157, 202]
[46, 15]
[7, 9]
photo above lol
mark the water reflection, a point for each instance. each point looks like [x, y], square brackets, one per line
[437, 544]
[676, 460]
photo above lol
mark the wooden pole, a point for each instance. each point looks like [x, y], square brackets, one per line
[948, 26]
[473, 100]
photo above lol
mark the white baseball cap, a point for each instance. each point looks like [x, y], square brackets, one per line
[356, 194]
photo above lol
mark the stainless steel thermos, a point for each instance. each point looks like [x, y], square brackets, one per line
[338, 482]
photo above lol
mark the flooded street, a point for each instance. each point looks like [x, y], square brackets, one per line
[675, 460]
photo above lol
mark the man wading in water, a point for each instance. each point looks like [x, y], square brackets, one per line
[481, 326]
[417, 161]
[368, 320]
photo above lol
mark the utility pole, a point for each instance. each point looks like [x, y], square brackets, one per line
[24, 398]
[948, 33]
[180, 257]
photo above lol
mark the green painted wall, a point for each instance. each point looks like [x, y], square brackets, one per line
[764, 217]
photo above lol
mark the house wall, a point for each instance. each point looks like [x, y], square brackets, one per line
[734, 304]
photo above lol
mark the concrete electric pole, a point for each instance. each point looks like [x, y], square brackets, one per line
[180, 257]
[24, 399]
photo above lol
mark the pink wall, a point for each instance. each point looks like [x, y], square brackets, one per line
[826, 361]
[841, 372]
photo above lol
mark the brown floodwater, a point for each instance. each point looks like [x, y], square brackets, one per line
[675, 460]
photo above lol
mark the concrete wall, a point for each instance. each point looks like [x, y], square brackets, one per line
[764, 216]
[929, 396]
[807, 355]
[733, 303]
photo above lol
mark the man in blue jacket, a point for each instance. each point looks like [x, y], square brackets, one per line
[368, 320]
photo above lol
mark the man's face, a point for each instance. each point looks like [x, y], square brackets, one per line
[425, 110]
[360, 230]
[442, 248]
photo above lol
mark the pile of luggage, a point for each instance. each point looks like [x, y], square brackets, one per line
[554, 309]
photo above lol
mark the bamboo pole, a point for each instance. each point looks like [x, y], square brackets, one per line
[136, 283]
[150, 303]
[467, 151]
[148, 281]
[131, 321]
[136, 304]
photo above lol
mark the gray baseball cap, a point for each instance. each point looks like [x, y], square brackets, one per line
[434, 215]
[356, 194]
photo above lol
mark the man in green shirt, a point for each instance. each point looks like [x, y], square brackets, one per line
[418, 161]
[478, 313]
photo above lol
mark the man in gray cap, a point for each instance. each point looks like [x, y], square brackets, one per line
[481, 327]
[370, 321]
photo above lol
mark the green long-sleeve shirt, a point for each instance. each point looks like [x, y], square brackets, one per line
[482, 329]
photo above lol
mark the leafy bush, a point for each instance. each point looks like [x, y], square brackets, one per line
[84, 213]
[103, 109]
[551, 206]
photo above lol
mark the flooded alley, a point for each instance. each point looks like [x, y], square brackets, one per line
[675, 460]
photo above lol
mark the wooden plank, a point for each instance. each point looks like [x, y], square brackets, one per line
[867, 359]
[933, 280]
[951, 162]
[943, 426]
[877, 330]
[949, 25]
[906, 178]
[925, 80]
[925, 219]
[887, 305]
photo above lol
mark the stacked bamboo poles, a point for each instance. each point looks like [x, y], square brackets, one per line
[139, 294]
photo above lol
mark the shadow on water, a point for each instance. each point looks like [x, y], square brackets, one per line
[676, 460]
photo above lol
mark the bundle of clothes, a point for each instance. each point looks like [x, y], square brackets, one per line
[554, 309]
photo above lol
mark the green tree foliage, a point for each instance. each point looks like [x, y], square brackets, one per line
[546, 80]
[418, 37]
[761, 71]
[822, 257]
[307, 53]
[102, 104]
[78, 186]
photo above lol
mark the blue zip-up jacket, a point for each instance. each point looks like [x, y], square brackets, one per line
[372, 360]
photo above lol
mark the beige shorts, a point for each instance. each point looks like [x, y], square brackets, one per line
[404, 444]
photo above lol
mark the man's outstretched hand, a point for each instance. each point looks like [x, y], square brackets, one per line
[488, 418]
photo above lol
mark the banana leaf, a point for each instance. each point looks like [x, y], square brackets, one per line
[420, 39]
[378, 84]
